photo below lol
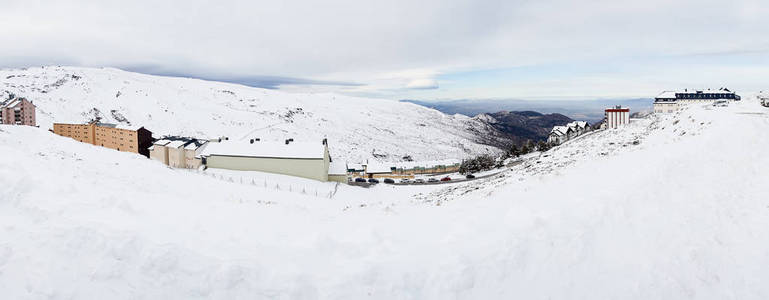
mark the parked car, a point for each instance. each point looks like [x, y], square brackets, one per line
[373, 180]
[470, 176]
[405, 180]
[389, 181]
[721, 103]
[432, 180]
[358, 179]
[446, 178]
[419, 180]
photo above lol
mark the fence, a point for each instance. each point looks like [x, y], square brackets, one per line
[271, 185]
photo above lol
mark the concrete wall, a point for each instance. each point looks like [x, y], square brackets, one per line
[307, 168]
[338, 178]
[159, 153]
[176, 157]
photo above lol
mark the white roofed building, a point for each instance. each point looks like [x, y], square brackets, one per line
[178, 152]
[559, 134]
[671, 101]
[301, 159]
[17, 111]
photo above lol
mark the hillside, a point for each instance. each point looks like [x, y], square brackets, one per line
[522, 126]
[673, 206]
[357, 128]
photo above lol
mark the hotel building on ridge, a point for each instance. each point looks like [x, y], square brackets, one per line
[671, 101]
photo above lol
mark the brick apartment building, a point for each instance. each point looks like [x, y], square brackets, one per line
[17, 111]
[132, 139]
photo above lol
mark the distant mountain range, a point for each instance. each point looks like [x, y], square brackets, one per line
[522, 126]
[582, 110]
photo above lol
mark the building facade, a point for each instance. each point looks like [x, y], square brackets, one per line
[17, 111]
[561, 134]
[307, 160]
[671, 101]
[121, 138]
[616, 116]
[178, 152]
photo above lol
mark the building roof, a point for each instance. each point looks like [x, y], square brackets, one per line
[667, 95]
[337, 168]
[560, 130]
[358, 167]
[425, 164]
[378, 168]
[195, 144]
[618, 108]
[264, 149]
[161, 142]
[177, 143]
[11, 102]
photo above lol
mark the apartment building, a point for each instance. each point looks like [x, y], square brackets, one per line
[616, 116]
[134, 139]
[17, 111]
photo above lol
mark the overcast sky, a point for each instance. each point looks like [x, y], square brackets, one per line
[397, 49]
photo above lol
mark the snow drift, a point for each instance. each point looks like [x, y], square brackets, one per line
[669, 207]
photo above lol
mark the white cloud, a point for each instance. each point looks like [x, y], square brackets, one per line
[358, 41]
[423, 84]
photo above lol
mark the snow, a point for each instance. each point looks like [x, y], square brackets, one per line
[266, 149]
[355, 127]
[337, 168]
[674, 206]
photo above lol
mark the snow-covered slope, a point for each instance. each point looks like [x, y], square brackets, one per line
[357, 128]
[682, 213]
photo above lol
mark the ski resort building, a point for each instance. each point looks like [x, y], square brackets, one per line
[17, 111]
[561, 134]
[134, 139]
[308, 160]
[379, 170]
[671, 101]
[616, 116]
[178, 152]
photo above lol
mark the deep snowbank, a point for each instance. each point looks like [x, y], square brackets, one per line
[678, 215]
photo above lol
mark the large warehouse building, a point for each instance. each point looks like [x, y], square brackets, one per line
[308, 160]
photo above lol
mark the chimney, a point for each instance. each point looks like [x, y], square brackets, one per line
[291, 139]
[287, 142]
[325, 142]
[252, 141]
[257, 139]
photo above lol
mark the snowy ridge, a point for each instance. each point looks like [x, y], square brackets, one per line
[357, 128]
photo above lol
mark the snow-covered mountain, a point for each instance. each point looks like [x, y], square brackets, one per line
[357, 128]
[673, 206]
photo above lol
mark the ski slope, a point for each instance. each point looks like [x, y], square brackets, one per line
[683, 213]
[357, 128]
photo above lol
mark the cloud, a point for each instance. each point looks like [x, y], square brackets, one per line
[374, 46]
[423, 84]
